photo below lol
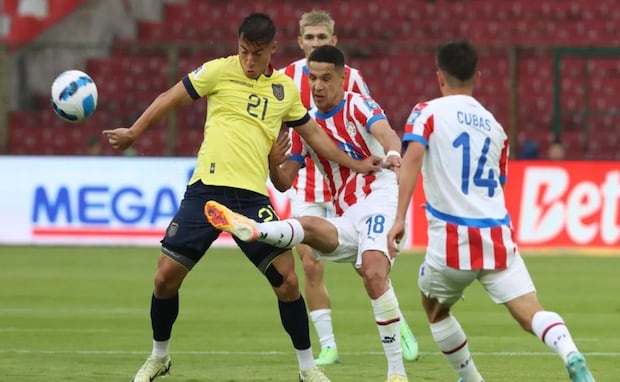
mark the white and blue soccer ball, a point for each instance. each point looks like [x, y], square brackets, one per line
[74, 96]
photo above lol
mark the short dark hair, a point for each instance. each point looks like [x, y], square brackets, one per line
[257, 28]
[458, 59]
[329, 54]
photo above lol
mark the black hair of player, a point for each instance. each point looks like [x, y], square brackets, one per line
[329, 54]
[257, 28]
[458, 59]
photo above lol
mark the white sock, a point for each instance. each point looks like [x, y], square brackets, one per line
[322, 320]
[305, 358]
[282, 234]
[452, 342]
[551, 329]
[387, 317]
[160, 348]
[402, 317]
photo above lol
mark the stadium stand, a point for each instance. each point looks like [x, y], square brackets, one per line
[27, 19]
[391, 42]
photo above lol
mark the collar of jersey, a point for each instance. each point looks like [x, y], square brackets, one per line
[330, 113]
[266, 75]
[272, 69]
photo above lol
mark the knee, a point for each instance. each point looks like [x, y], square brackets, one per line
[370, 275]
[288, 290]
[165, 285]
[313, 268]
[169, 277]
[283, 278]
[375, 269]
[290, 281]
[375, 281]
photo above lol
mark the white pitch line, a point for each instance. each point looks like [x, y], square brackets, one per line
[278, 353]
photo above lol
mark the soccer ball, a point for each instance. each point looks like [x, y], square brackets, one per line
[74, 96]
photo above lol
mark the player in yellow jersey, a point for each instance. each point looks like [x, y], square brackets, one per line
[248, 102]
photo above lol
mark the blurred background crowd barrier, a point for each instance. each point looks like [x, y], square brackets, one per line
[550, 68]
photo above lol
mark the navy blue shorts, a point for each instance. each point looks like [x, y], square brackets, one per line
[190, 234]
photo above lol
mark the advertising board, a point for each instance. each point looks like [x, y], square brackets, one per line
[130, 201]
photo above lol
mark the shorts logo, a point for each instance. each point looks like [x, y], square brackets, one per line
[278, 91]
[172, 229]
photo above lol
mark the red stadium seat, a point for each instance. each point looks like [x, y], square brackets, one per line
[25, 27]
[604, 137]
[391, 42]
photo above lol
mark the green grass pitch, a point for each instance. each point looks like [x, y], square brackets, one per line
[82, 314]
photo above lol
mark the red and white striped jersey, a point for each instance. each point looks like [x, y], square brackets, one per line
[309, 186]
[464, 168]
[348, 125]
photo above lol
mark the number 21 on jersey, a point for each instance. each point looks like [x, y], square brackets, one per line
[257, 106]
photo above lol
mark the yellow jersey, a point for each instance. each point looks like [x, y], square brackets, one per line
[243, 121]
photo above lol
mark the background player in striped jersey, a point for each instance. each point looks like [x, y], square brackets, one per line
[310, 196]
[462, 152]
[248, 102]
[365, 204]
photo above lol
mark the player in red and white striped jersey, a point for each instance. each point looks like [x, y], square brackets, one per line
[462, 153]
[309, 186]
[366, 205]
[349, 125]
[316, 29]
[470, 229]
[310, 195]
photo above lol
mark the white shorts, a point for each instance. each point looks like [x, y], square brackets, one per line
[321, 209]
[447, 284]
[363, 227]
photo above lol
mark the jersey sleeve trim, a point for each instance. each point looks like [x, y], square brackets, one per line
[415, 138]
[299, 158]
[469, 222]
[190, 88]
[374, 119]
[298, 122]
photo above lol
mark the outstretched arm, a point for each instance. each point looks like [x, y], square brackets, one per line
[410, 170]
[390, 141]
[316, 138]
[122, 138]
